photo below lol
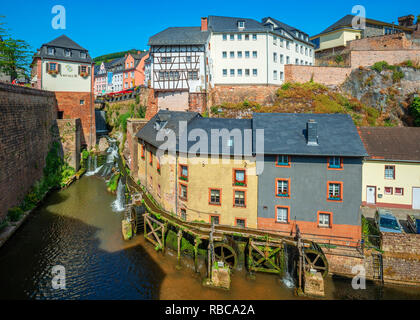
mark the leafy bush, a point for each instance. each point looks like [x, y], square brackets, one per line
[14, 214]
[339, 59]
[414, 110]
[3, 224]
[397, 76]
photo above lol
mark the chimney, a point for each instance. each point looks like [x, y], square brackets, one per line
[312, 133]
[204, 24]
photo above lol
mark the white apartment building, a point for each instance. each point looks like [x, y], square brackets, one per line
[245, 51]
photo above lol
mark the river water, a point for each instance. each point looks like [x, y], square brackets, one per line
[78, 229]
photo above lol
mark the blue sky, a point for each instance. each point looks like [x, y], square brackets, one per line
[109, 25]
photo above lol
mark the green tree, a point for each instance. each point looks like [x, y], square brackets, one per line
[415, 111]
[14, 54]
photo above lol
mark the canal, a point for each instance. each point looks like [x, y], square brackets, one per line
[78, 229]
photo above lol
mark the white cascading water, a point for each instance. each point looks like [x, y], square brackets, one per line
[287, 279]
[93, 166]
[119, 204]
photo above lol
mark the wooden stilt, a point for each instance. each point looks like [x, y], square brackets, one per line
[196, 243]
[179, 246]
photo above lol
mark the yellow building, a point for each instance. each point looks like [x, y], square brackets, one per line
[210, 185]
[335, 38]
[391, 173]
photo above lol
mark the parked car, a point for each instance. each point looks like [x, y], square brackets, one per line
[413, 222]
[386, 221]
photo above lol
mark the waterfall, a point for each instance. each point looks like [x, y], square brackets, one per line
[93, 166]
[287, 279]
[119, 204]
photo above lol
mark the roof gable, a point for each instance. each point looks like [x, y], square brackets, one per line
[64, 42]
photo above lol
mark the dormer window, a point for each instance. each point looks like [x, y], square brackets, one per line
[67, 52]
[51, 51]
[83, 55]
[241, 24]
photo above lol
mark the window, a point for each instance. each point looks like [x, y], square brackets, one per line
[183, 172]
[287, 60]
[335, 163]
[82, 102]
[83, 55]
[51, 51]
[281, 59]
[297, 61]
[239, 177]
[275, 56]
[281, 43]
[224, 37]
[281, 75]
[214, 219]
[239, 37]
[240, 223]
[52, 66]
[246, 54]
[150, 158]
[399, 191]
[241, 24]
[254, 54]
[275, 75]
[132, 74]
[283, 188]
[283, 161]
[254, 72]
[239, 72]
[247, 72]
[142, 151]
[254, 37]
[239, 200]
[225, 72]
[232, 72]
[67, 52]
[183, 191]
[184, 214]
[246, 37]
[282, 214]
[390, 172]
[232, 37]
[274, 40]
[239, 54]
[324, 220]
[297, 48]
[388, 190]
[335, 191]
[215, 197]
[224, 54]
[188, 59]
[232, 54]
[288, 44]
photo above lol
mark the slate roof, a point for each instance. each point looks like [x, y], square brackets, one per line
[194, 121]
[179, 35]
[392, 143]
[60, 44]
[230, 24]
[289, 29]
[285, 133]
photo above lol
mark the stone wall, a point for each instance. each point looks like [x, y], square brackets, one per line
[369, 58]
[133, 126]
[401, 258]
[197, 102]
[262, 94]
[27, 119]
[70, 133]
[326, 75]
[385, 42]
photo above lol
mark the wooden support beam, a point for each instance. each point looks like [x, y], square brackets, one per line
[196, 243]
[179, 245]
